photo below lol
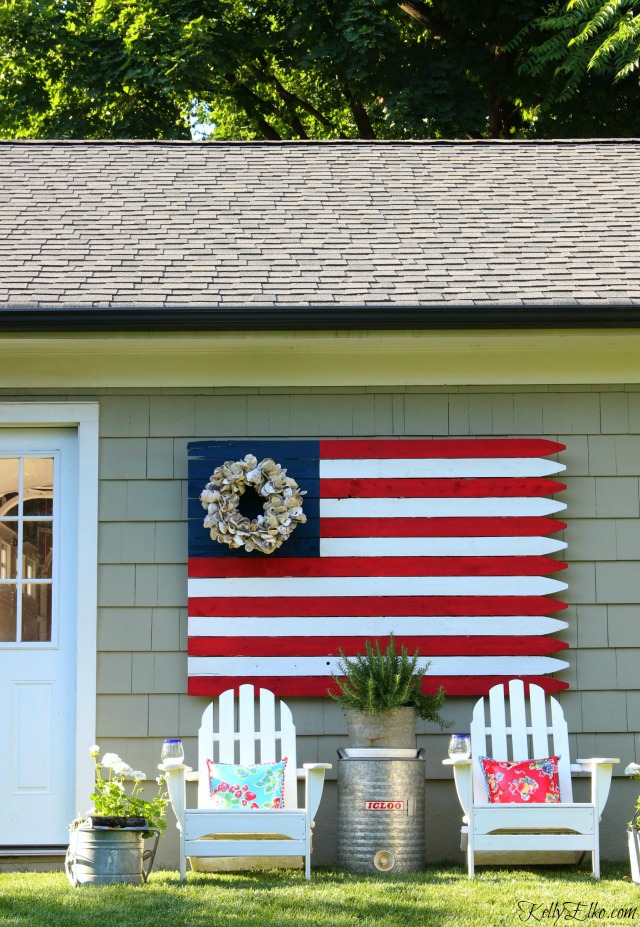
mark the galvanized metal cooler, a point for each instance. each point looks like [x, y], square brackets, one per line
[381, 819]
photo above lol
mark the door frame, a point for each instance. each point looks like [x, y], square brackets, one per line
[84, 417]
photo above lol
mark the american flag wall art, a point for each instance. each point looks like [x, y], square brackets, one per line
[444, 542]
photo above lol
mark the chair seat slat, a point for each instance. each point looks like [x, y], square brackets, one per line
[498, 723]
[268, 752]
[540, 729]
[226, 727]
[247, 725]
[518, 717]
[561, 748]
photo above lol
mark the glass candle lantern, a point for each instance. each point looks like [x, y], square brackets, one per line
[460, 746]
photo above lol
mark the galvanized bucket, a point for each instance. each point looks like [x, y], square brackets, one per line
[395, 728]
[103, 856]
[381, 818]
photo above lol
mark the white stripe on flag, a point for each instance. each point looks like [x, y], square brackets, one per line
[398, 468]
[285, 586]
[439, 508]
[326, 666]
[439, 547]
[440, 626]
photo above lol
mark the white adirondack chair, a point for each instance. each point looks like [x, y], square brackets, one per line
[520, 728]
[229, 734]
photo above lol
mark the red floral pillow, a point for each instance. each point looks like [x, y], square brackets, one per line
[527, 782]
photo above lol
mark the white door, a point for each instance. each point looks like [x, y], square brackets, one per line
[38, 555]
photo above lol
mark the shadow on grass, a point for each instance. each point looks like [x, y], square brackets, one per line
[248, 902]
[440, 895]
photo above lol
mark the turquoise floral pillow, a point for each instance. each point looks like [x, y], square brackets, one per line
[250, 787]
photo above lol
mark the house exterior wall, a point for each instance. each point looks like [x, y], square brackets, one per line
[142, 674]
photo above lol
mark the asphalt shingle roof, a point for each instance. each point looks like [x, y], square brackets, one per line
[141, 224]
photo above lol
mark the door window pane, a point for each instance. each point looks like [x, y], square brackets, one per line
[9, 482]
[8, 549]
[36, 612]
[8, 612]
[38, 486]
[36, 549]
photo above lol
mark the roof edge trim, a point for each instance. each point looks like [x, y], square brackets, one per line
[28, 319]
[324, 142]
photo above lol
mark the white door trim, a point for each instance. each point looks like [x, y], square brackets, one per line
[83, 416]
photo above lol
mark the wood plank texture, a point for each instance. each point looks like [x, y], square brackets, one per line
[444, 541]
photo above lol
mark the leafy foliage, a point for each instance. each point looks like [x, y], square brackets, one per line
[312, 69]
[267, 69]
[82, 69]
[376, 682]
[584, 37]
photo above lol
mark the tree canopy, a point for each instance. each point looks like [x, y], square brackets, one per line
[584, 38]
[306, 69]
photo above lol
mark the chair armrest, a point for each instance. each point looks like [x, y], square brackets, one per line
[313, 774]
[173, 767]
[176, 776]
[189, 774]
[601, 769]
[599, 761]
[464, 782]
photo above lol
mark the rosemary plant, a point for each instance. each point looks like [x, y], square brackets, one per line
[381, 681]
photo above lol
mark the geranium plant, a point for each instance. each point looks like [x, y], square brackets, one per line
[112, 800]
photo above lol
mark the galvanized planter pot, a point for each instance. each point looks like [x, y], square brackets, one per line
[105, 855]
[396, 728]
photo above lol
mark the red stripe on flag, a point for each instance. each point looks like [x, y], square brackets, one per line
[331, 646]
[318, 685]
[210, 567]
[426, 488]
[510, 526]
[438, 447]
[374, 606]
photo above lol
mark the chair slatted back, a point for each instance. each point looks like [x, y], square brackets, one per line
[229, 734]
[518, 728]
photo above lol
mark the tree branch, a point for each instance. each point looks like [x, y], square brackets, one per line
[249, 100]
[290, 97]
[286, 98]
[440, 27]
[416, 9]
[359, 113]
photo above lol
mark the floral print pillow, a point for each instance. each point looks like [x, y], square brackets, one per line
[527, 782]
[246, 787]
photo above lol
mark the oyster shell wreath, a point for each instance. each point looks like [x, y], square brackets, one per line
[282, 506]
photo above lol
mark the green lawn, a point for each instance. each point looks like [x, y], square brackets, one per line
[439, 896]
